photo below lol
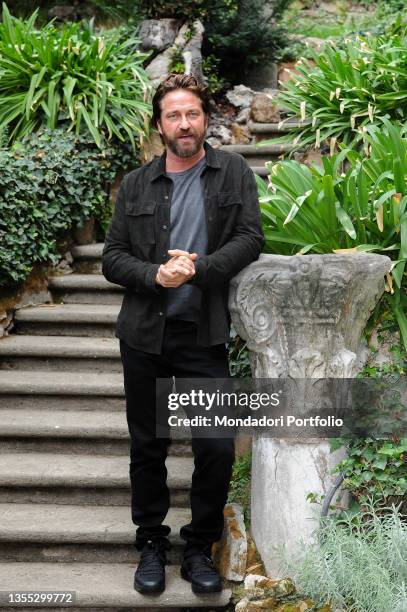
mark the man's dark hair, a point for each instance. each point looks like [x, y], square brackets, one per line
[179, 81]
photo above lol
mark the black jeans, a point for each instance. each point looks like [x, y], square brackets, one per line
[180, 357]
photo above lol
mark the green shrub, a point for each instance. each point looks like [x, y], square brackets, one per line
[48, 183]
[358, 563]
[376, 470]
[349, 87]
[71, 77]
[243, 37]
[360, 205]
[239, 490]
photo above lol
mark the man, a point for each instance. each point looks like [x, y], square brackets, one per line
[183, 226]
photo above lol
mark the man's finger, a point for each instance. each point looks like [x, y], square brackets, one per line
[179, 253]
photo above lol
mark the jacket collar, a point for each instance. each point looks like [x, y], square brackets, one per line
[158, 165]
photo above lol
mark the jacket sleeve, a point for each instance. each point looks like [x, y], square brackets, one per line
[119, 265]
[242, 248]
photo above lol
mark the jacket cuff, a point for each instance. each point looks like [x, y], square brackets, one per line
[200, 272]
[150, 278]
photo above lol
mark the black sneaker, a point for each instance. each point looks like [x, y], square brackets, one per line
[199, 570]
[150, 573]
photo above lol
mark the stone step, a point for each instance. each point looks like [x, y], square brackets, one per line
[62, 402]
[40, 477]
[60, 353]
[274, 128]
[261, 171]
[257, 156]
[102, 587]
[84, 289]
[32, 382]
[95, 432]
[52, 532]
[87, 258]
[68, 320]
[271, 131]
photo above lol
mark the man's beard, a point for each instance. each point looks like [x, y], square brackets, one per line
[185, 152]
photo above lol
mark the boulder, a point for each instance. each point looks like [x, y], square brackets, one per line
[158, 34]
[264, 110]
[221, 132]
[240, 96]
[240, 135]
[230, 553]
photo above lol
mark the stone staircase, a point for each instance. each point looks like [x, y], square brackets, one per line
[64, 484]
[257, 156]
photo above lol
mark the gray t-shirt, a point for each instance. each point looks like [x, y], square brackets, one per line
[189, 233]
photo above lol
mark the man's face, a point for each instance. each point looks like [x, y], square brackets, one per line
[182, 123]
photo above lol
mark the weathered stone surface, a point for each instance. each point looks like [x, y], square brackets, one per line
[158, 34]
[158, 69]
[240, 134]
[214, 142]
[221, 132]
[253, 557]
[264, 110]
[302, 318]
[192, 50]
[230, 553]
[190, 46]
[243, 116]
[240, 96]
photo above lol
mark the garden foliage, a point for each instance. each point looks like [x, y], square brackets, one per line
[48, 183]
[358, 564]
[348, 86]
[71, 77]
[357, 200]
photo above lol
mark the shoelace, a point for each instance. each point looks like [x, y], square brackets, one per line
[151, 560]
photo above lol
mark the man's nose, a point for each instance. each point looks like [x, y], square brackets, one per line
[184, 123]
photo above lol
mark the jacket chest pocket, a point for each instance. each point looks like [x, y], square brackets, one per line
[141, 221]
[229, 202]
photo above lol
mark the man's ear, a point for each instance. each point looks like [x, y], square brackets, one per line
[159, 128]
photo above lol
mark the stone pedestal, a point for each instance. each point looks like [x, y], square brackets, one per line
[302, 318]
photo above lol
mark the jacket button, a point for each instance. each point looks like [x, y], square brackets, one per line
[165, 197]
[161, 314]
[164, 227]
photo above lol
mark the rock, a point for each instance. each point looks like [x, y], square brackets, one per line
[159, 68]
[6, 323]
[192, 50]
[240, 134]
[220, 132]
[299, 606]
[158, 34]
[240, 96]
[253, 556]
[64, 266]
[214, 142]
[230, 553]
[247, 605]
[277, 588]
[243, 116]
[264, 110]
[190, 45]
[255, 569]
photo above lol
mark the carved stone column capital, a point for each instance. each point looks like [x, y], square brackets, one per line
[303, 316]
